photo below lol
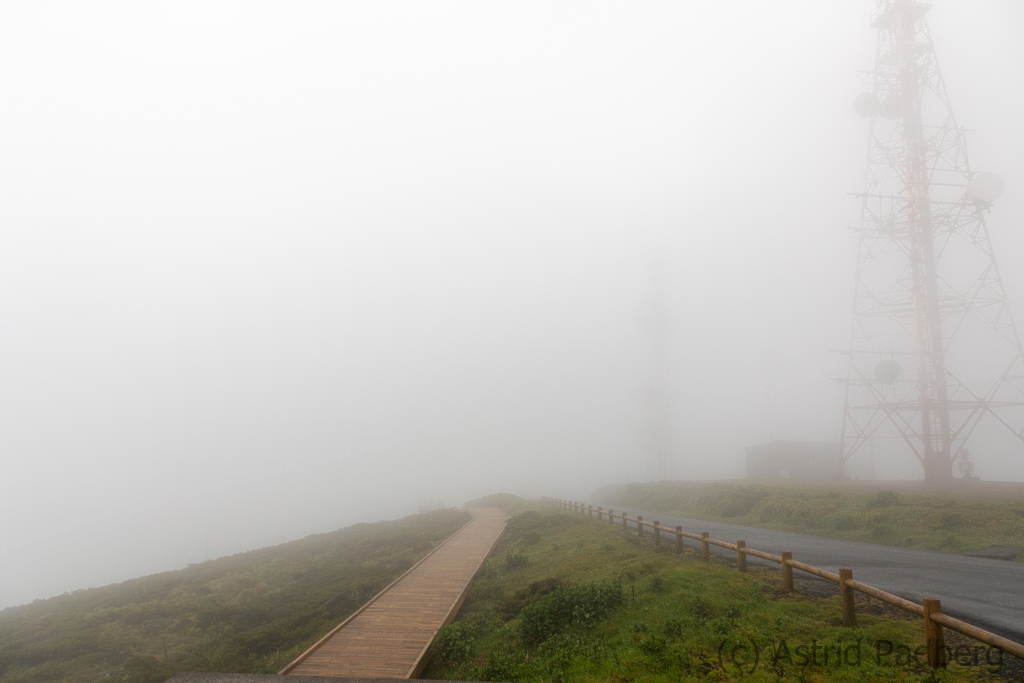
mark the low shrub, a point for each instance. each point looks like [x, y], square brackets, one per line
[700, 609]
[515, 561]
[503, 666]
[510, 607]
[843, 522]
[569, 606]
[883, 499]
[454, 643]
[739, 503]
[488, 591]
[948, 521]
[674, 628]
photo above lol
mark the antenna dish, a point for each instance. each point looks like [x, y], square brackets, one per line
[888, 371]
[865, 104]
[985, 188]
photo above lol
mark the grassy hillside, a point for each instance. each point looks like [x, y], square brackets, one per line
[248, 613]
[566, 599]
[951, 520]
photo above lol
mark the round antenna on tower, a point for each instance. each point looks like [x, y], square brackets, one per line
[865, 104]
[985, 188]
[888, 371]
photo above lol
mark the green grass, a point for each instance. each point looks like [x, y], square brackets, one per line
[949, 520]
[585, 601]
[563, 598]
[249, 613]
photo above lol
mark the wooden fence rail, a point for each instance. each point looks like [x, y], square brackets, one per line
[930, 609]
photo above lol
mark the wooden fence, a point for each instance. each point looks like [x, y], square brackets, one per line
[930, 609]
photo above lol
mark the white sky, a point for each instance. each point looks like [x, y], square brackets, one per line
[267, 269]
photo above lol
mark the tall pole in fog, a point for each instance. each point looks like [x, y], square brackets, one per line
[658, 409]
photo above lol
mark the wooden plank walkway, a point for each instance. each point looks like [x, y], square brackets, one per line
[388, 637]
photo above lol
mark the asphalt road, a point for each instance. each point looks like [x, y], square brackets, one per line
[983, 592]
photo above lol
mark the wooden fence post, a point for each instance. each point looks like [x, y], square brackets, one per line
[787, 571]
[705, 547]
[741, 557]
[933, 634]
[590, 511]
[639, 526]
[599, 513]
[624, 527]
[679, 539]
[846, 595]
[657, 533]
[611, 516]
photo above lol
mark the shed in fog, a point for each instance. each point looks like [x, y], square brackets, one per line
[794, 460]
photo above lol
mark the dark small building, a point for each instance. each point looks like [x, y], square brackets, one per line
[794, 460]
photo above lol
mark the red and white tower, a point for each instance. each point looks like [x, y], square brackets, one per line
[934, 347]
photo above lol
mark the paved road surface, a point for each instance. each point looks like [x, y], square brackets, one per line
[986, 593]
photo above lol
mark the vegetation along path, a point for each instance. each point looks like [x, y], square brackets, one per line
[389, 636]
[982, 591]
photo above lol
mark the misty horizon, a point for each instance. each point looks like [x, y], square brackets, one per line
[271, 270]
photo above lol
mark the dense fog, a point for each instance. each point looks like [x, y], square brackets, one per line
[268, 269]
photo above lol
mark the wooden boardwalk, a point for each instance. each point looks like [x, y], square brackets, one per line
[388, 636]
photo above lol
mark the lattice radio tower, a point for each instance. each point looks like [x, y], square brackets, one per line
[934, 347]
